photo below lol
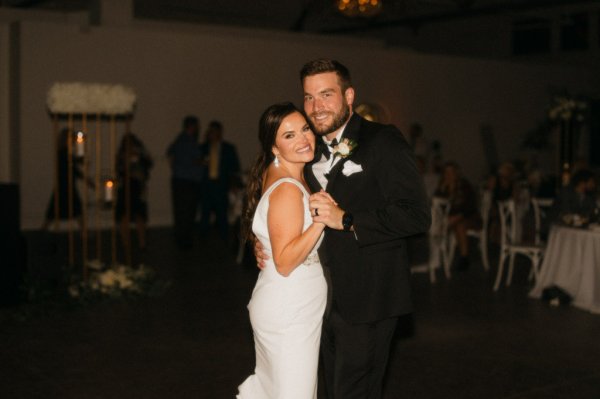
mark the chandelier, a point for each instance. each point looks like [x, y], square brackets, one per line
[359, 8]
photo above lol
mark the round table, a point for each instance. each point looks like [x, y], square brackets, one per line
[572, 262]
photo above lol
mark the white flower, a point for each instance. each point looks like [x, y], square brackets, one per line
[95, 264]
[115, 280]
[90, 98]
[566, 109]
[108, 278]
[343, 149]
[141, 272]
[124, 281]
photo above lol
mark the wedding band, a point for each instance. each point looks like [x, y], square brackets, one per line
[316, 211]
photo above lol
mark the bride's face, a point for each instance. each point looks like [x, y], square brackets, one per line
[294, 142]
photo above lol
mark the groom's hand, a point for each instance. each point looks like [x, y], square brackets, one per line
[260, 254]
[324, 209]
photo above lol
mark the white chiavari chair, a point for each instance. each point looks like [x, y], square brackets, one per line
[438, 237]
[510, 245]
[541, 206]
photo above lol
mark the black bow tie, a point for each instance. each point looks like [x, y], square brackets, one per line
[327, 150]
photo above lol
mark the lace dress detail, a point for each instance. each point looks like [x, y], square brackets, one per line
[312, 259]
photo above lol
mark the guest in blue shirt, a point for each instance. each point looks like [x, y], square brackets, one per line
[186, 180]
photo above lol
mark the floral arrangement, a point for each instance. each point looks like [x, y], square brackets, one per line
[345, 148]
[116, 282]
[90, 98]
[564, 108]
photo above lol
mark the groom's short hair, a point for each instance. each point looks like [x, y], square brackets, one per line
[323, 65]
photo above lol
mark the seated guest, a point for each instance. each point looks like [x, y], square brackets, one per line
[541, 185]
[503, 184]
[463, 209]
[578, 197]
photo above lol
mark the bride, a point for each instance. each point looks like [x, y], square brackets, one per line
[288, 301]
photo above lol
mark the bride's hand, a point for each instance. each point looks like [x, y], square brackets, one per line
[324, 209]
[260, 254]
[325, 195]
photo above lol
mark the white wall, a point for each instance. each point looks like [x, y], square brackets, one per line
[233, 75]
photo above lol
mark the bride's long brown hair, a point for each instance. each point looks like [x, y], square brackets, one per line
[267, 131]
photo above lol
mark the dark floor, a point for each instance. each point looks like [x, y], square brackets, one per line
[195, 340]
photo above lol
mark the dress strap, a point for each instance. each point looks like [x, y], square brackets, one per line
[286, 180]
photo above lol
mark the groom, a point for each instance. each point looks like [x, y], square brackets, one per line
[368, 168]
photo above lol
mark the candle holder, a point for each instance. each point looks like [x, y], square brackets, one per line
[80, 139]
[108, 105]
[565, 177]
[109, 192]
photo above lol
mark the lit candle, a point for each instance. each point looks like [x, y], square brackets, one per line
[108, 191]
[80, 144]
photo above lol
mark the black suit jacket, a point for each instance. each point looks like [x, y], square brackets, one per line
[368, 272]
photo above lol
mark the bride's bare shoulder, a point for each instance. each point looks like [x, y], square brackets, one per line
[273, 175]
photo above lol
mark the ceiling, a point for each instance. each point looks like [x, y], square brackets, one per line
[314, 16]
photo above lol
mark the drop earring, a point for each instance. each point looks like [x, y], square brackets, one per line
[276, 161]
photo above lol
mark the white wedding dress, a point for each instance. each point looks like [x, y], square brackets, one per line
[286, 315]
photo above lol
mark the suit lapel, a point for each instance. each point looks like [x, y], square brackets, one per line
[352, 133]
[335, 171]
[309, 176]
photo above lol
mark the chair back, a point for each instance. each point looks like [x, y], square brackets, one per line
[440, 208]
[508, 222]
[485, 207]
[523, 197]
[540, 205]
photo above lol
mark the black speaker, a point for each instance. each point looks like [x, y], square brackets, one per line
[12, 246]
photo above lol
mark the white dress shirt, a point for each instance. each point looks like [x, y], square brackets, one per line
[324, 165]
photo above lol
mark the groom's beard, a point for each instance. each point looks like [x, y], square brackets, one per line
[339, 120]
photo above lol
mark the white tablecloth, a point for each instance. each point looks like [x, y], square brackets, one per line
[572, 262]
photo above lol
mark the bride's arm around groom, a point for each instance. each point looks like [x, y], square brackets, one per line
[290, 246]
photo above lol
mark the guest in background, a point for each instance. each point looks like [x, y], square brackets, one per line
[578, 198]
[63, 185]
[222, 168]
[436, 157]
[133, 168]
[430, 178]
[503, 184]
[463, 209]
[540, 184]
[185, 159]
[418, 142]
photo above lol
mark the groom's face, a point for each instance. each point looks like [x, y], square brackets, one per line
[327, 108]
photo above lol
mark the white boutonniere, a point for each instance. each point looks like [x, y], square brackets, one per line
[344, 149]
